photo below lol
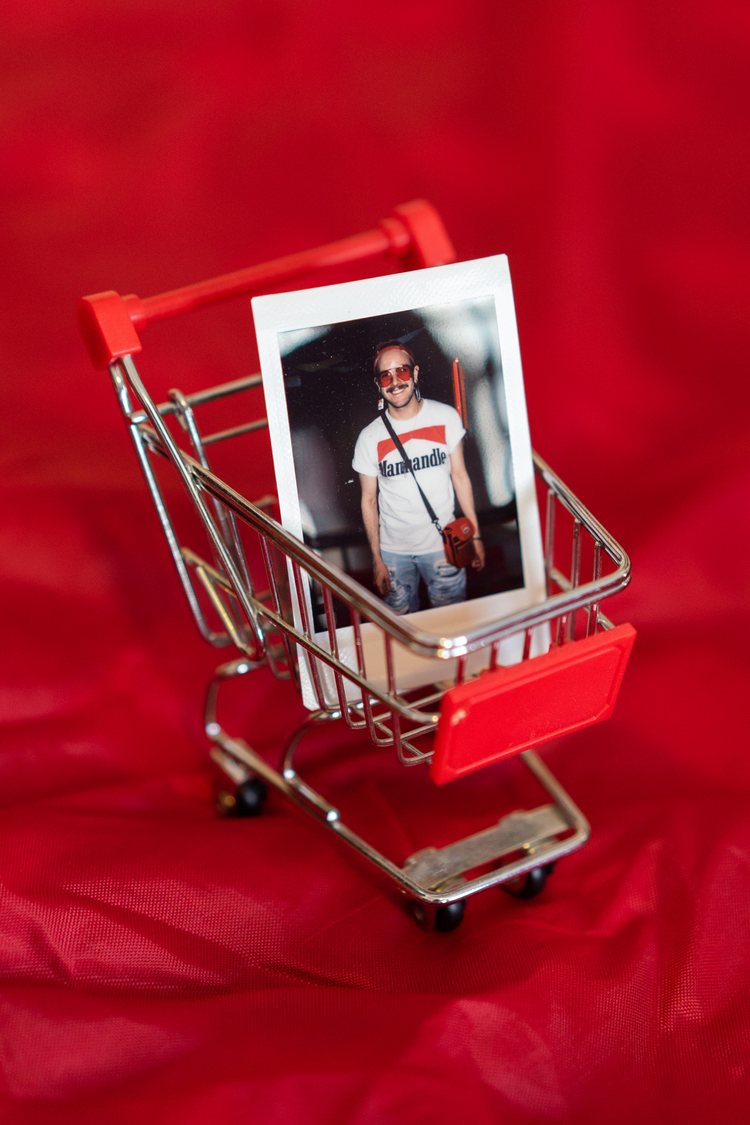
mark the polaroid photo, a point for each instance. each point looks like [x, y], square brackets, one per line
[432, 357]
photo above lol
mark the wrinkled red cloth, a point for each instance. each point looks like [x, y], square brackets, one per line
[160, 964]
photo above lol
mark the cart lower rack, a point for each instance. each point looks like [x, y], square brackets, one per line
[243, 575]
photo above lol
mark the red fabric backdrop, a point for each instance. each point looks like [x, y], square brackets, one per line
[158, 964]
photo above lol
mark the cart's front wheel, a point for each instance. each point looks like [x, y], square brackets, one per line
[247, 799]
[530, 884]
[443, 918]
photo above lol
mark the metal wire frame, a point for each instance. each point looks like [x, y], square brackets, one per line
[271, 623]
[248, 590]
[510, 848]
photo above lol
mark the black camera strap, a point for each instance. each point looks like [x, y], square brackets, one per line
[407, 462]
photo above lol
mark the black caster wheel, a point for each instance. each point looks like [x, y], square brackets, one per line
[531, 884]
[441, 919]
[247, 799]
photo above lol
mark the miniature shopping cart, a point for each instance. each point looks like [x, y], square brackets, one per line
[245, 576]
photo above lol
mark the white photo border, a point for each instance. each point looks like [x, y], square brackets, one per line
[276, 314]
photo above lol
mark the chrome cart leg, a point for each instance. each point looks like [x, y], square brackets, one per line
[520, 849]
[248, 791]
[242, 764]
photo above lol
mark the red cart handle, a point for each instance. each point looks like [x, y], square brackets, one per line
[414, 234]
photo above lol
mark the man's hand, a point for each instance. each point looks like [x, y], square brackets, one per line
[381, 578]
[478, 561]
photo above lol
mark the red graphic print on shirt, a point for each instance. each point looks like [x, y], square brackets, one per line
[426, 433]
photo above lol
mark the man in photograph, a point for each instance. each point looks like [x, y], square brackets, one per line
[403, 538]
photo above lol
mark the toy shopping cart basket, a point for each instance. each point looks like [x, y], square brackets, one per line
[246, 579]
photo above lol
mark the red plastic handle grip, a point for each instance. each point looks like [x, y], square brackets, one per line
[110, 323]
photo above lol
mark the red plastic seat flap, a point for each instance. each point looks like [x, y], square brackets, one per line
[515, 708]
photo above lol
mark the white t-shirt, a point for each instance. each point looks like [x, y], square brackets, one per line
[428, 439]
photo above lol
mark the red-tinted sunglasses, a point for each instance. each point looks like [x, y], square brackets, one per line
[402, 373]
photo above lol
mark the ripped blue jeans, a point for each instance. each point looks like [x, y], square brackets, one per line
[445, 584]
